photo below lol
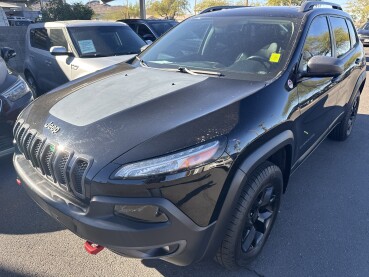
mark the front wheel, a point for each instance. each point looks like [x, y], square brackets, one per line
[343, 130]
[253, 218]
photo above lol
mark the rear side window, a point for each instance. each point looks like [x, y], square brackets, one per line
[341, 35]
[353, 37]
[40, 39]
[317, 43]
[57, 38]
[143, 30]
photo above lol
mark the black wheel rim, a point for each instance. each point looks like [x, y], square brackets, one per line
[353, 114]
[260, 217]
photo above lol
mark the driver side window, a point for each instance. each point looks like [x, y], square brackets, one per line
[317, 43]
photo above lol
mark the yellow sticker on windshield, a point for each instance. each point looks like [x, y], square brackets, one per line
[274, 57]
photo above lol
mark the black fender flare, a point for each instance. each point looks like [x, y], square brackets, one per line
[361, 80]
[239, 179]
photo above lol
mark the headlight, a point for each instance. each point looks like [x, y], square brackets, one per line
[16, 91]
[170, 163]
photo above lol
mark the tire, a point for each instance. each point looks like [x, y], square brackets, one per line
[344, 129]
[253, 218]
[33, 84]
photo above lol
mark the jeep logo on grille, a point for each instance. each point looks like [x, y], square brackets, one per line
[52, 127]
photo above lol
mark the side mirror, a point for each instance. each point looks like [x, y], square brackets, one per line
[58, 51]
[7, 53]
[323, 66]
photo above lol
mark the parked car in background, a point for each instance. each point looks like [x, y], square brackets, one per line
[150, 29]
[58, 52]
[3, 19]
[15, 95]
[19, 21]
[363, 33]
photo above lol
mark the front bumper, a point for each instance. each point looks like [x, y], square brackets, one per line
[179, 241]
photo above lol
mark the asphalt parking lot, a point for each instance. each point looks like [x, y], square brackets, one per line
[322, 229]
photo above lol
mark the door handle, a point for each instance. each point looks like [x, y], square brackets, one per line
[357, 61]
[74, 67]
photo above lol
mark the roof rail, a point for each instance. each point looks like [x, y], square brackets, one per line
[309, 5]
[218, 8]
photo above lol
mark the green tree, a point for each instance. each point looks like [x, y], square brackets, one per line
[359, 10]
[210, 3]
[58, 10]
[169, 9]
[284, 2]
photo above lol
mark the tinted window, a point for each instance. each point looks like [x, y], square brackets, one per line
[57, 38]
[341, 35]
[317, 43]
[352, 33]
[40, 39]
[143, 30]
[103, 41]
[161, 27]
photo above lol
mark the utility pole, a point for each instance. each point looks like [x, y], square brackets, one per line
[194, 8]
[142, 9]
[127, 14]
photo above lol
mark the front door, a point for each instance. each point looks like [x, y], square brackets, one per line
[317, 96]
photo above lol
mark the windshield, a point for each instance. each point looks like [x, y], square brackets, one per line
[253, 48]
[105, 41]
[161, 27]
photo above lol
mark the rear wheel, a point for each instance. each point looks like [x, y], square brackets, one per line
[253, 218]
[343, 130]
[33, 84]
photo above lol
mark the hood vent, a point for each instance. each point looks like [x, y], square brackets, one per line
[63, 167]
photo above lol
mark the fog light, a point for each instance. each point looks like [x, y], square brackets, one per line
[147, 213]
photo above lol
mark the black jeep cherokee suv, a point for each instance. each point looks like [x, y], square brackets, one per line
[185, 152]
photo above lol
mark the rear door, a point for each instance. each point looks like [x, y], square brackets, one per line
[347, 49]
[41, 59]
[317, 96]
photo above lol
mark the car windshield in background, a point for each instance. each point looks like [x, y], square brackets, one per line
[253, 48]
[105, 41]
[161, 27]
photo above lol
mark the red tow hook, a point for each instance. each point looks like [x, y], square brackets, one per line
[19, 182]
[93, 248]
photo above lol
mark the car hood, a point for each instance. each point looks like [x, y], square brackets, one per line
[363, 32]
[108, 113]
[93, 64]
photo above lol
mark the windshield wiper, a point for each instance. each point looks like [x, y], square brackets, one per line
[97, 55]
[142, 63]
[197, 72]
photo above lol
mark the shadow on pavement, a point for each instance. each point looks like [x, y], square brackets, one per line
[18, 213]
[322, 213]
[4, 272]
[204, 268]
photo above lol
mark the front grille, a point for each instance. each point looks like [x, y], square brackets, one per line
[77, 173]
[63, 167]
